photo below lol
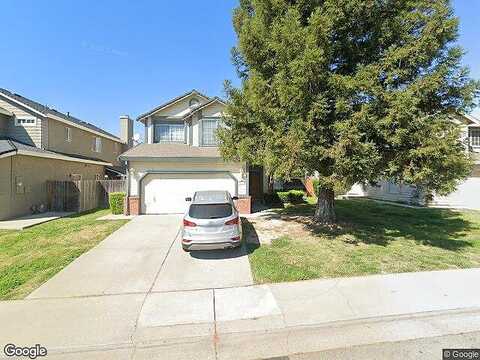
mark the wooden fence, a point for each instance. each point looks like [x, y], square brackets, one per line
[108, 186]
[81, 195]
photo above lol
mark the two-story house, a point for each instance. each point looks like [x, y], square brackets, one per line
[180, 156]
[38, 144]
[467, 194]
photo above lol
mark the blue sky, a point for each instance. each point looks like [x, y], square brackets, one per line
[101, 59]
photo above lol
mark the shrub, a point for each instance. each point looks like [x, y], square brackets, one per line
[283, 196]
[296, 196]
[116, 201]
[292, 196]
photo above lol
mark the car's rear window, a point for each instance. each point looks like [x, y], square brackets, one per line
[210, 211]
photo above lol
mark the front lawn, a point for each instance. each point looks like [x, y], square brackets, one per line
[371, 238]
[30, 257]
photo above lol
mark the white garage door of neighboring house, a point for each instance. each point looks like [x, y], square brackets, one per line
[166, 193]
[467, 195]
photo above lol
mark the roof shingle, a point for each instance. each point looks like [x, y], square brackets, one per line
[169, 151]
[46, 111]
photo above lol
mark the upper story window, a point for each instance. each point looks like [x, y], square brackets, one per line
[169, 132]
[193, 103]
[97, 144]
[68, 134]
[209, 129]
[25, 121]
[474, 136]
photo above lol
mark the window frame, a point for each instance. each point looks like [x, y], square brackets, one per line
[477, 137]
[32, 121]
[204, 120]
[97, 144]
[171, 139]
[68, 134]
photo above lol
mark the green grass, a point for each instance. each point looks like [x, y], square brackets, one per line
[30, 257]
[370, 238]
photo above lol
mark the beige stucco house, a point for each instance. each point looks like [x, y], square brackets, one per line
[180, 156]
[38, 144]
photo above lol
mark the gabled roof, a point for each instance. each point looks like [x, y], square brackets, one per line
[214, 100]
[46, 111]
[472, 119]
[5, 112]
[10, 146]
[171, 102]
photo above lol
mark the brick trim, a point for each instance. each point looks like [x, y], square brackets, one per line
[133, 205]
[244, 205]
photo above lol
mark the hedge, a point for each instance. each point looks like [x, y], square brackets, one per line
[116, 201]
[292, 196]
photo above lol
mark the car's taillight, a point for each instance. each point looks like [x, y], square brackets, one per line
[236, 238]
[188, 223]
[232, 222]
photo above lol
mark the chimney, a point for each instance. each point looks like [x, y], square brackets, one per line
[126, 130]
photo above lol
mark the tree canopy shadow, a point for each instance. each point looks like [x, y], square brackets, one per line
[370, 222]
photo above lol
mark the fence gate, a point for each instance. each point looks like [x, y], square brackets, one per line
[62, 196]
[81, 195]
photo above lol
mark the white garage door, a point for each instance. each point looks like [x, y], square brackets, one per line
[466, 196]
[166, 193]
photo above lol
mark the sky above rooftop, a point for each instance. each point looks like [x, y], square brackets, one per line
[102, 59]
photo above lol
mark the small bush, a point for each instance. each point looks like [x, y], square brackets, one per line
[296, 196]
[283, 196]
[116, 201]
[292, 196]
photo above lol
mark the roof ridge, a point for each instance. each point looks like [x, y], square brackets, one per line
[171, 101]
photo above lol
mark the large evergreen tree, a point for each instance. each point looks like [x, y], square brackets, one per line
[354, 90]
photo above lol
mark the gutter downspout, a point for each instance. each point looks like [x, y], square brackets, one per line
[127, 196]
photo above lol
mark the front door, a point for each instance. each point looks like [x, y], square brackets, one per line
[256, 182]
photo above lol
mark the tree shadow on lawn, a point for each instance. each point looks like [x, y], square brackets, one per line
[371, 222]
[250, 244]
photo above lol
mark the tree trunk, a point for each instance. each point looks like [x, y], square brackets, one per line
[270, 184]
[325, 211]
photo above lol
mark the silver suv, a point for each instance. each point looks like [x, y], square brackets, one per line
[211, 222]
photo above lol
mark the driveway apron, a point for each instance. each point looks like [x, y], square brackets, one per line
[204, 269]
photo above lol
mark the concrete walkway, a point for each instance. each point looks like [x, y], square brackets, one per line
[263, 321]
[27, 221]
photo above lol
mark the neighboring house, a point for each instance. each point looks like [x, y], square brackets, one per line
[467, 194]
[38, 144]
[180, 156]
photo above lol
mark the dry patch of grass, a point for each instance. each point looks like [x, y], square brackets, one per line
[370, 238]
[30, 257]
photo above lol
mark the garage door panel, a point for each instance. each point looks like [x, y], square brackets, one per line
[166, 193]
[467, 195]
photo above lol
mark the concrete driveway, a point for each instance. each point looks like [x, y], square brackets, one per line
[145, 255]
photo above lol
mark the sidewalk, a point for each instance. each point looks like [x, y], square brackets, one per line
[250, 322]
